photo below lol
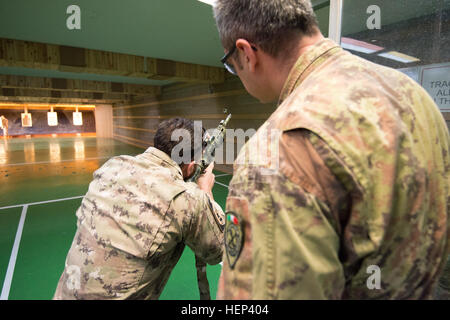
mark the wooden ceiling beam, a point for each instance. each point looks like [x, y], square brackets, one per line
[27, 54]
[49, 100]
[40, 93]
[76, 85]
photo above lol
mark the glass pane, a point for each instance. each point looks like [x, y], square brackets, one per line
[322, 11]
[410, 35]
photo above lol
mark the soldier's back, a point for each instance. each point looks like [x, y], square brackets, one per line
[125, 246]
[384, 139]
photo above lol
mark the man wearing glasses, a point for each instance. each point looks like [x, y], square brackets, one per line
[358, 205]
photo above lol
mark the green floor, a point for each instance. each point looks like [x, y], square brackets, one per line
[43, 169]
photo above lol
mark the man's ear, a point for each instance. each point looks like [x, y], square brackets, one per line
[188, 169]
[250, 59]
[191, 168]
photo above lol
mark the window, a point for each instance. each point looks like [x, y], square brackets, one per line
[412, 36]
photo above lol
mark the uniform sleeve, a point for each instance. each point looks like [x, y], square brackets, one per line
[291, 240]
[204, 230]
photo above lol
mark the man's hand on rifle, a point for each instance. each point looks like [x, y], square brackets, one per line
[206, 180]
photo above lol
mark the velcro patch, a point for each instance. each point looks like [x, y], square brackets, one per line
[234, 237]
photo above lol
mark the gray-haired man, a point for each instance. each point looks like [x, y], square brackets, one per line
[363, 178]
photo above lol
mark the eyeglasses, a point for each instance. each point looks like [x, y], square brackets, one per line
[227, 65]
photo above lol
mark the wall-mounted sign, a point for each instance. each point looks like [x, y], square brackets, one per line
[436, 80]
[77, 119]
[52, 119]
[26, 120]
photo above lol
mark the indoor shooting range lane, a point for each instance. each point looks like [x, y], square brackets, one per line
[35, 172]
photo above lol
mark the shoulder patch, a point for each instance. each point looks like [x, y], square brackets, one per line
[234, 237]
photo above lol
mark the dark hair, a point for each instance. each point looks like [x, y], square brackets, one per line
[163, 137]
[270, 24]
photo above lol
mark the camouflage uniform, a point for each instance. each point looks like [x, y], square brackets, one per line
[443, 288]
[133, 225]
[361, 178]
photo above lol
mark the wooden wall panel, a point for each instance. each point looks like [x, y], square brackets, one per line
[103, 121]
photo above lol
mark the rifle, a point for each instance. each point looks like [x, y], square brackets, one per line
[208, 157]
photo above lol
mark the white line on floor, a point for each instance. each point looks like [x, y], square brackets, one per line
[220, 184]
[222, 175]
[13, 258]
[40, 202]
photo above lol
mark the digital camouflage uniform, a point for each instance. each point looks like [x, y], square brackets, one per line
[357, 175]
[133, 225]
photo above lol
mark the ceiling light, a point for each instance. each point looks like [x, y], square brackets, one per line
[210, 2]
[360, 46]
[398, 56]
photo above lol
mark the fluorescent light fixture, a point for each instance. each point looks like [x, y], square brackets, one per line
[398, 56]
[210, 2]
[360, 46]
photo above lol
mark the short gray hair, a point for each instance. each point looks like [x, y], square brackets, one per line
[267, 23]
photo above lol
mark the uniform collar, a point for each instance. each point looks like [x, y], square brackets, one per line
[307, 63]
[165, 160]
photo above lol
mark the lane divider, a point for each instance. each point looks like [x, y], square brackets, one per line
[40, 202]
[12, 260]
[222, 175]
